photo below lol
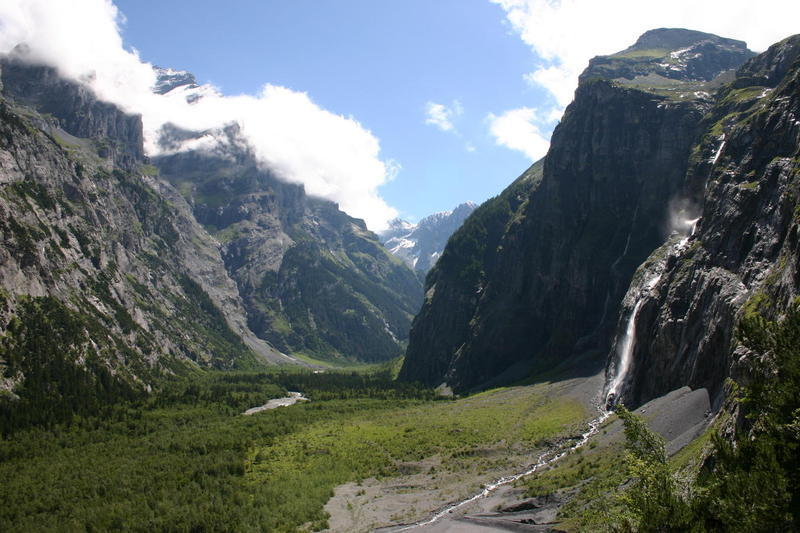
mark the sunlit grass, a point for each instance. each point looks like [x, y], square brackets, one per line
[373, 443]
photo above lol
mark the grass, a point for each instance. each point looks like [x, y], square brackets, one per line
[649, 53]
[463, 434]
[326, 363]
[175, 462]
[185, 460]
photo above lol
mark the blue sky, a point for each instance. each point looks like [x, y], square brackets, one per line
[385, 106]
[378, 61]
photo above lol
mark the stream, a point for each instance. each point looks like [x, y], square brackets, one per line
[545, 458]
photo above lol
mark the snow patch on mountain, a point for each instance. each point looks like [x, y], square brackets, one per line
[420, 245]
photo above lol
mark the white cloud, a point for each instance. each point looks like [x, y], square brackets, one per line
[334, 156]
[519, 129]
[442, 116]
[565, 34]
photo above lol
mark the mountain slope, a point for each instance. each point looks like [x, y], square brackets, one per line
[110, 280]
[101, 292]
[314, 280]
[616, 165]
[453, 286]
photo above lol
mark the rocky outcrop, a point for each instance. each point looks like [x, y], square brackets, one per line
[743, 254]
[114, 135]
[420, 245]
[556, 277]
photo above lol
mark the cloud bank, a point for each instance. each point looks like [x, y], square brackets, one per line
[333, 156]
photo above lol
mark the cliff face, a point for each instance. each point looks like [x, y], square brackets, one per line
[115, 136]
[313, 279]
[559, 271]
[743, 254]
[453, 287]
[101, 279]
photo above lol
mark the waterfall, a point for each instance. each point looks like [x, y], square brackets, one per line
[625, 353]
[719, 150]
[626, 346]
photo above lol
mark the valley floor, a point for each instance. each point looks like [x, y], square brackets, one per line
[365, 453]
[557, 495]
[431, 484]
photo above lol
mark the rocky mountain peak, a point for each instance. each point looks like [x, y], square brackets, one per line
[681, 63]
[420, 245]
[168, 79]
[677, 38]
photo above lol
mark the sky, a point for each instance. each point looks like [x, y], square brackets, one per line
[391, 107]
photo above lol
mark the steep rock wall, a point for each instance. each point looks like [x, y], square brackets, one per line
[743, 254]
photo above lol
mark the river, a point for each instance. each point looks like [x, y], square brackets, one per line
[286, 401]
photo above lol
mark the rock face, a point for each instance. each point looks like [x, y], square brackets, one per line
[116, 136]
[105, 285]
[110, 277]
[550, 284]
[420, 245]
[313, 279]
[743, 254]
[454, 285]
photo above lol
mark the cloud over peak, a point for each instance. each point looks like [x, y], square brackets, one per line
[334, 156]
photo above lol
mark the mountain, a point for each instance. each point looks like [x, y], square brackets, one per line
[420, 245]
[106, 286]
[741, 259]
[537, 276]
[314, 281]
[117, 272]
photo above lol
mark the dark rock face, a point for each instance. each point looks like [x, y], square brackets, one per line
[553, 276]
[743, 255]
[616, 160]
[454, 286]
